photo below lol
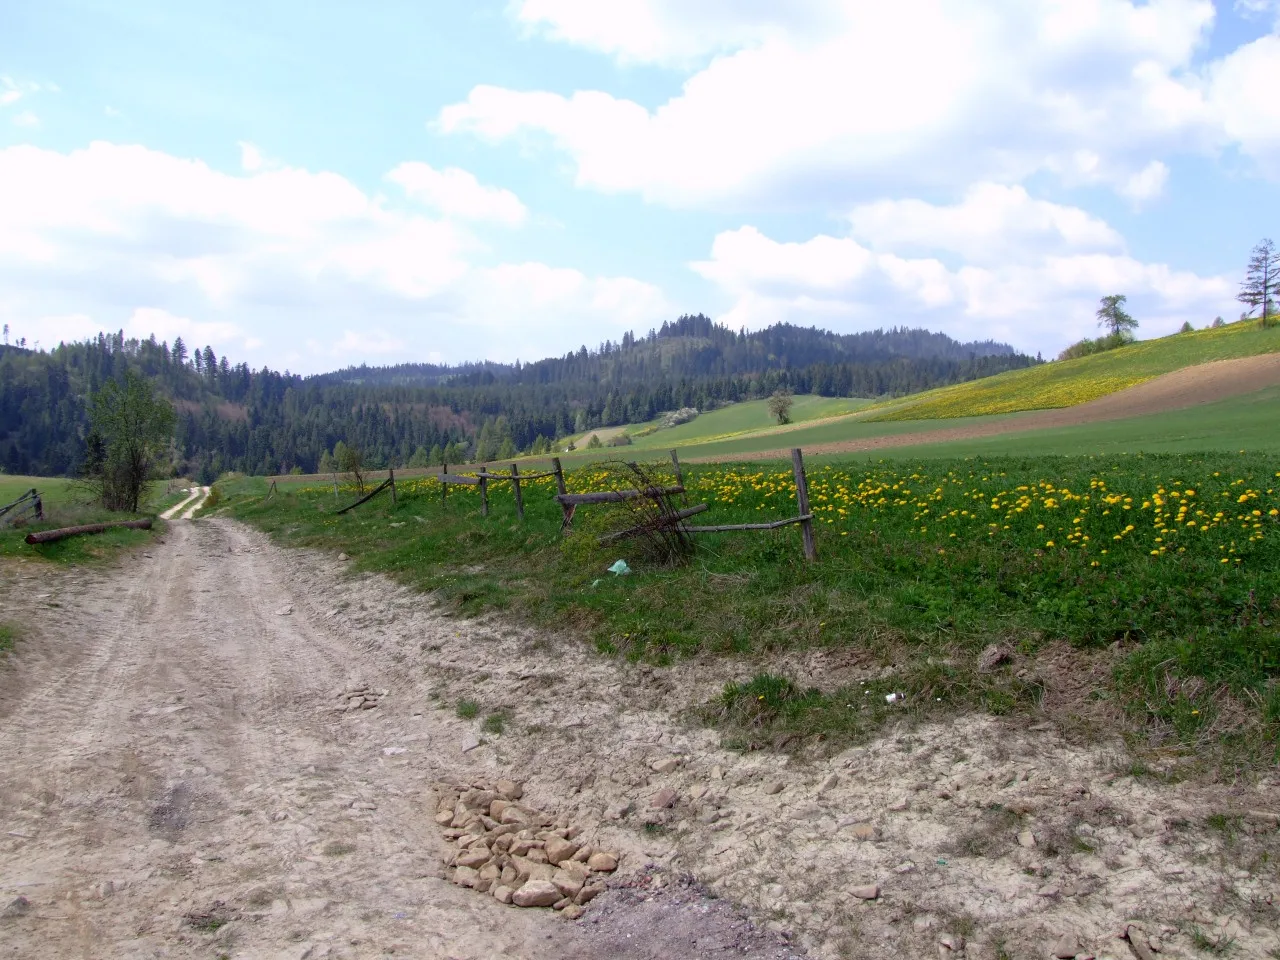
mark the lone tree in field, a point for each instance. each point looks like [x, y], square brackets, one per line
[350, 459]
[1262, 281]
[129, 430]
[1111, 316]
[780, 405]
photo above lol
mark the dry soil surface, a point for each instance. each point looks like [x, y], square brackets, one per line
[175, 781]
[1188, 387]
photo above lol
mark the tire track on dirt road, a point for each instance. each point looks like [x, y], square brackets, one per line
[171, 752]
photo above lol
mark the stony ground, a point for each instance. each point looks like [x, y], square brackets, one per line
[182, 775]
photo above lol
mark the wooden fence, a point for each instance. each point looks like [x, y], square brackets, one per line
[668, 515]
[26, 507]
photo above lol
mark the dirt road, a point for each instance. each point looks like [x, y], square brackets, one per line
[175, 782]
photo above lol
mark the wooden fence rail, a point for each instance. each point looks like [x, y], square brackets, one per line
[569, 502]
[389, 482]
[29, 502]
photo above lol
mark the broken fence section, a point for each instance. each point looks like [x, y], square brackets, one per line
[27, 504]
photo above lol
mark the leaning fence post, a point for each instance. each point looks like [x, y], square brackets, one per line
[515, 484]
[675, 462]
[484, 496]
[802, 503]
[566, 521]
[444, 487]
[391, 475]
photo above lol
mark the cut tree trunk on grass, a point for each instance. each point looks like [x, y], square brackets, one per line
[49, 536]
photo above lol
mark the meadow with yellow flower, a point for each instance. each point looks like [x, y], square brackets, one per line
[1156, 578]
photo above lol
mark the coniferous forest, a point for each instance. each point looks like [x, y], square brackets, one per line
[230, 417]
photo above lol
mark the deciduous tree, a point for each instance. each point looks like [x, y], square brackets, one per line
[1111, 316]
[129, 430]
[780, 406]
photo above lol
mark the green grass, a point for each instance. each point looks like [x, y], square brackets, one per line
[1070, 382]
[468, 709]
[1245, 422]
[67, 503]
[8, 637]
[1238, 422]
[748, 417]
[922, 564]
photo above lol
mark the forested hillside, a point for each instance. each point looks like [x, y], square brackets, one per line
[261, 421]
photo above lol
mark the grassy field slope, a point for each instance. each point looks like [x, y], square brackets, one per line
[65, 504]
[1071, 382]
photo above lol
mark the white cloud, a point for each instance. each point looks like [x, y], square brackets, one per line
[366, 343]
[116, 236]
[992, 223]
[11, 91]
[250, 157]
[141, 323]
[1252, 9]
[26, 119]
[1043, 295]
[670, 32]
[841, 98]
[1242, 89]
[1147, 184]
[457, 193]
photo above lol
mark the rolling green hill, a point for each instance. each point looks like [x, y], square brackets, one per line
[1069, 382]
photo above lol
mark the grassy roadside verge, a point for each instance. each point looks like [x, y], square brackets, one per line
[1141, 591]
[66, 504]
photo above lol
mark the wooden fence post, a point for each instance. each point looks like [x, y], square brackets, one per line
[391, 475]
[566, 521]
[802, 503]
[444, 487]
[675, 462]
[335, 486]
[515, 483]
[484, 496]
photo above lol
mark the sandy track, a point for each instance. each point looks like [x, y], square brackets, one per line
[1188, 387]
[169, 731]
[169, 750]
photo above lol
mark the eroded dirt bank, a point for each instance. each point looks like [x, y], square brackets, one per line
[172, 763]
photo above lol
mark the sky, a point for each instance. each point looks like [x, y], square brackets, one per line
[308, 185]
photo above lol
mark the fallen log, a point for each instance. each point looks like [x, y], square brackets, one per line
[48, 536]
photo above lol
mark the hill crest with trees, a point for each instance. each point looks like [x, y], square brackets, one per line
[229, 417]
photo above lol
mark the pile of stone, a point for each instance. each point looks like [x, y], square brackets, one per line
[517, 854]
[358, 696]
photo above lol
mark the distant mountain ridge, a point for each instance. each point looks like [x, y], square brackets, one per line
[261, 421]
[693, 345]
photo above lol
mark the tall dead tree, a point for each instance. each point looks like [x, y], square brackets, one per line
[1261, 286]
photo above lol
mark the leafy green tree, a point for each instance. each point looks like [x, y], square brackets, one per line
[1111, 317]
[350, 460]
[507, 450]
[420, 457]
[1262, 281]
[130, 429]
[780, 405]
[436, 457]
[1186, 327]
[594, 443]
